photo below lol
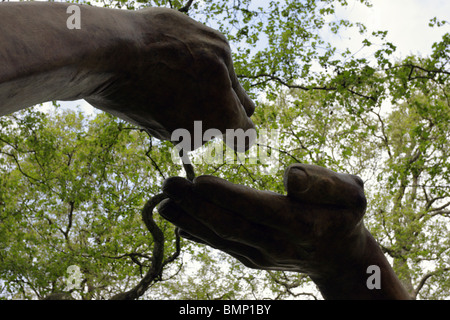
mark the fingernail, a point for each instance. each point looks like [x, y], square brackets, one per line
[296, 180]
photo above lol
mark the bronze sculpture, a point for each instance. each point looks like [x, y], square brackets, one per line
[161, 70]
[138, 65]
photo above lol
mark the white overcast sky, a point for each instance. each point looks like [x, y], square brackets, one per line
[405, 20]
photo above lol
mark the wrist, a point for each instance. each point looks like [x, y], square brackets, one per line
[366, 276]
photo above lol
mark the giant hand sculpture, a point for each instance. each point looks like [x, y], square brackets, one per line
[156, 68]
[317, 228]
[162, 71]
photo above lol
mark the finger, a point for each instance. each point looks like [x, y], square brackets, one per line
[231, 114]
[226, 224]
[245, 100]
[247, 255]
[262, 207]
[240, 140]
[237, 99]
[193, 229]
[318, 185]
[234, 249]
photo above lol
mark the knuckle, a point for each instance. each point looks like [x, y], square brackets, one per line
[359, 181]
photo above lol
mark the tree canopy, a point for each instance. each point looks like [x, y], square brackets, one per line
[73, 187]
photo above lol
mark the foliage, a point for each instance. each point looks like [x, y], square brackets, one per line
[72, 187]
[71, 192]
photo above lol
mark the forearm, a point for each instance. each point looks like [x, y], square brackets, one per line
[42, 59]
[351, 282]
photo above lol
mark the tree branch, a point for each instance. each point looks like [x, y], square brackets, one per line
[441, 207]
[20, 168]
[279, 80]
[288, 285]
[185, 9]
[157, 260]
[177, 249]
[158, 252]
[70, 216]
[293, 86]
[147, 154]
[425, 278]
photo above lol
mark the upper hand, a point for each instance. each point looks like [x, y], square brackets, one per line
[175, 72]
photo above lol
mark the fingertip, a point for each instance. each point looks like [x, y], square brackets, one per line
[358, 180]
[163, 205]
[244, 98]
[175, 187]
[243, 139]
[248, 104]
[169, 210]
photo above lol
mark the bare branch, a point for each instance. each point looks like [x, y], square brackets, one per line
[70, 216]
[425, 278]
[288, 285]
[185, 9]
[384, 136]
[443, 213]
[441, 207]
[279, 80]
[187, 165]
[177, 249]
[158, 252]
[293, 86]
[147, 154]
[279, 150]
[20, 168]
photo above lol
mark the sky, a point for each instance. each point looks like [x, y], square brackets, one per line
[405, 20]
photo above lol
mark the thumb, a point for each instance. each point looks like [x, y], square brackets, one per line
[318, 185]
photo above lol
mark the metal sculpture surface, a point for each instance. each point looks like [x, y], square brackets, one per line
[161, 70]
